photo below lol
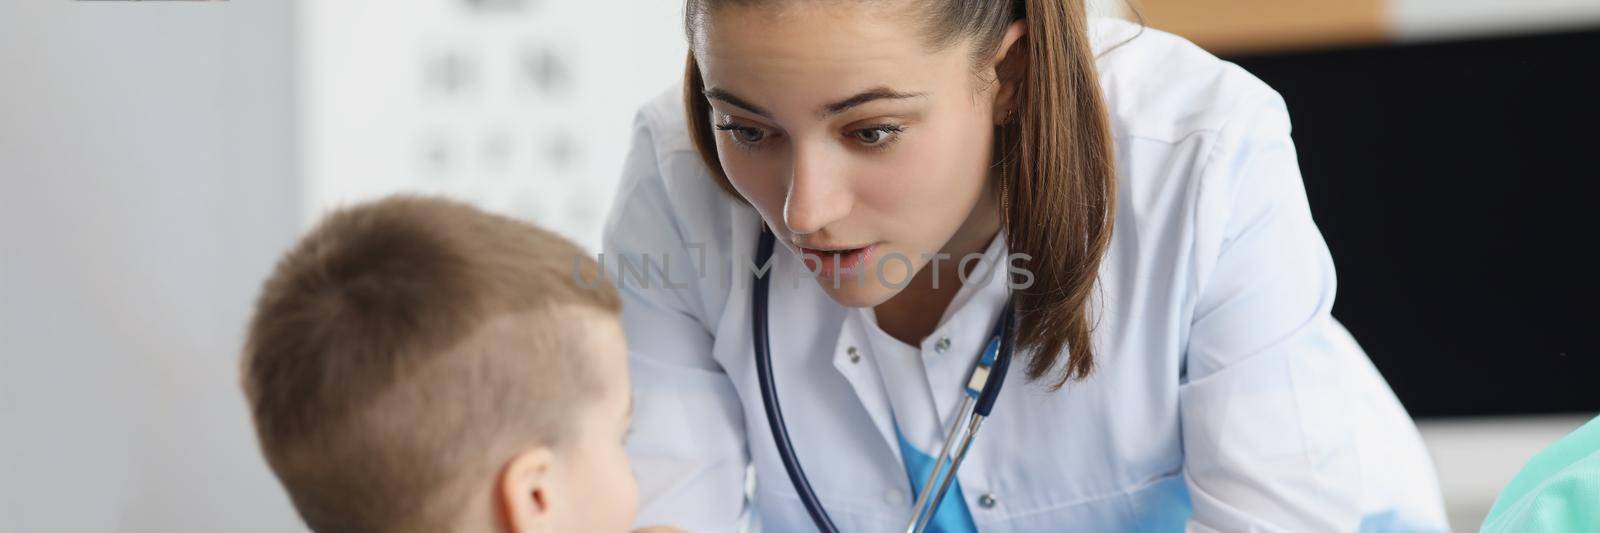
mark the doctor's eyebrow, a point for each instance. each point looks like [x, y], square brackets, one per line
[869, 95]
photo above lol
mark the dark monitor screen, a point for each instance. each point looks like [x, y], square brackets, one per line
[1456, 184]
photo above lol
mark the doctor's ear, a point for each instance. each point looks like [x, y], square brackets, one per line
[1010, 67]
[526, 490]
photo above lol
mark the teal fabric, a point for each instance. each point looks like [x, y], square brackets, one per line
[1558, 490]
[953, 515]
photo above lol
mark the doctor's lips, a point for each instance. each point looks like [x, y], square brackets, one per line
[832, 261]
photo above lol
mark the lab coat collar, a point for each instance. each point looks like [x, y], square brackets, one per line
[851, 360]
[852, 352]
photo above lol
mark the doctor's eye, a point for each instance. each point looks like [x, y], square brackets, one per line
[877, 137]
[744, 136]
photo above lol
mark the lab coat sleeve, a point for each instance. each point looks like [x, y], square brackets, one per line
[1266, 442]
[687, 441]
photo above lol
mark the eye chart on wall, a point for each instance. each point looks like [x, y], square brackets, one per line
[523, 107]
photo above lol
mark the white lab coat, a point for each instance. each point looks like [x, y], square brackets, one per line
[1226, 398]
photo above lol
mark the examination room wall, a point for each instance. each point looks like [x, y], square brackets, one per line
[156, 157]
[146, 185]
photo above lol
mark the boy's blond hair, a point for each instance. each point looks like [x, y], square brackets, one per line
[406, 348]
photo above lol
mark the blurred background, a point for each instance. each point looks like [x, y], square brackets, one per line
[156, 157]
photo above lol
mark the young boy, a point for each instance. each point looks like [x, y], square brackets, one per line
[417, 365]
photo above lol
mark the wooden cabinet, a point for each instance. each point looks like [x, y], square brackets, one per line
[1246, 26]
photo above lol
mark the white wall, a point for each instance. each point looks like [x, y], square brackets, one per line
[156, 157]
[1430, 20]
[145, 189]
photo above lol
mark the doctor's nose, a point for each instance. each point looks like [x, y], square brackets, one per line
[819, 192]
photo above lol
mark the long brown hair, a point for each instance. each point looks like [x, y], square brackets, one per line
[1058, 175]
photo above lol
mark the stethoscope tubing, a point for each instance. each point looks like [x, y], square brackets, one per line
[982, 404]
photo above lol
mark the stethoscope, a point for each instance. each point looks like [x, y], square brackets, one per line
[988, 374]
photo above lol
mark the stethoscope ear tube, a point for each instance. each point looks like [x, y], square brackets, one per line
[934, 488]
[1002, 361]
[769, 392]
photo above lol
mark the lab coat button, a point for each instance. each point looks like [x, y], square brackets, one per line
[986, 501]
[895, 498]
[942, 345]
[855, 356]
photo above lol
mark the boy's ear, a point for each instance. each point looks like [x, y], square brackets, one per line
[525, 489]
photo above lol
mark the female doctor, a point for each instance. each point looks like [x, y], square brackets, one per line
[1135, 204]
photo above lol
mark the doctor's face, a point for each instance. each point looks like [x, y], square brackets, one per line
[863, 149]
